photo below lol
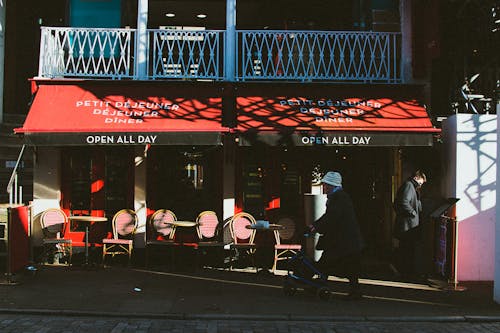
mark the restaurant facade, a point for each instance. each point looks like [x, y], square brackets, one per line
[181, 116]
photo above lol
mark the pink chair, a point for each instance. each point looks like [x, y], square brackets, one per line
[159, 232]
[124, 227]
[208, 233]
[54, 223]
[284, 249]
[242, 236]
[207, 228]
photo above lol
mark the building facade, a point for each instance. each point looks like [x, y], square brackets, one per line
[226, 106]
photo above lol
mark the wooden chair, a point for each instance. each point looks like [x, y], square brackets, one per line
[124, 227]
[159, 232]
[242, 237]
[284, 249]
[208, 230]
[54, 223]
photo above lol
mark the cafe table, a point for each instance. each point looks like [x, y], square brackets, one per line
[264, 226]
[86, 221]
[181, 224]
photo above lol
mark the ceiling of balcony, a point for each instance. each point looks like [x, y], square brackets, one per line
[254, 14]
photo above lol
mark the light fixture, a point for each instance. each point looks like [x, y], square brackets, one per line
[201, 16]
[170, 14]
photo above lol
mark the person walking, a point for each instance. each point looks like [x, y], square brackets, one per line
[408, 207]
[341, 239]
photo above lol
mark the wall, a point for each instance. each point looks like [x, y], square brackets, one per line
[95, 14]
[46, 186]
[496, 285]
[470, 140]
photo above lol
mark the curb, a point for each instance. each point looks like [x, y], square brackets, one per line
[249, 317]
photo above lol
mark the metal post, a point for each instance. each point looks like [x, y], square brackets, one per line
[15, 188]
[20, 195]
[230, 44]
[141, 49]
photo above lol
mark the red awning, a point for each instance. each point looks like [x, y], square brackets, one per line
[76, 112]
[346, 114]
[304, 121]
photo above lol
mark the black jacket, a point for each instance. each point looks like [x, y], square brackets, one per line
[407, 206]
[340, 231]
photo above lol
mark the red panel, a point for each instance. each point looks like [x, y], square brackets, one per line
[19, 247]
[352, 114]
[77, 108]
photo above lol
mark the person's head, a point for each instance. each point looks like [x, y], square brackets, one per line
[331, 180]
[419, 177]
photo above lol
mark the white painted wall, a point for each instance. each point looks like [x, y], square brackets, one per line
[46, 187]
[140, 196]
[471, 140]
[496, 285]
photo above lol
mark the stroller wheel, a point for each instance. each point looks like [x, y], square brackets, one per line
[324, 294]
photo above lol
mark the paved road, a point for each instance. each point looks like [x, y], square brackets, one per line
[65, 324]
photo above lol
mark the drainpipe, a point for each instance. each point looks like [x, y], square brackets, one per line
[230, 44]
[141, 40]
[406, 40]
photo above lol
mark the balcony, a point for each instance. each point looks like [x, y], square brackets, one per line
[265, 55]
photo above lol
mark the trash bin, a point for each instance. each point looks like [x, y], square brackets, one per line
[314, 207]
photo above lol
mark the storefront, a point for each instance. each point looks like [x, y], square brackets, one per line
[289, 135]
[104, 146]
[258, 147]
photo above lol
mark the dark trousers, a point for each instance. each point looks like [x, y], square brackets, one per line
[407, 255]
[348, 267]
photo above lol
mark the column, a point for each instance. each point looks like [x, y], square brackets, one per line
[406, 42]
[230, 44]
[229, 180]
[141, 47]
[140, 205]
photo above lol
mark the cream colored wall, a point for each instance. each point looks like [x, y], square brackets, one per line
[46, 186]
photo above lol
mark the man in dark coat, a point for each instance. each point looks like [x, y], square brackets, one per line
[341, 239]
[408, 207]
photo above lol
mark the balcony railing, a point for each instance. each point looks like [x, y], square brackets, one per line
[86, 52]
[199, 54]
[318, 55]
[186, 54]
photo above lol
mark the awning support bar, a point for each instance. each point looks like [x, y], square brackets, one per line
[17, 196]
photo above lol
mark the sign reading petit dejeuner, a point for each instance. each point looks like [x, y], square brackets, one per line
[124, 112]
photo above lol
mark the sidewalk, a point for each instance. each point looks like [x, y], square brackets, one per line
[212, 294]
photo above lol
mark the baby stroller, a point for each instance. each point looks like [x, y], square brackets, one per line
[301, 274]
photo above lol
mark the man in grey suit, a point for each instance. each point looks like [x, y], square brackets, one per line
[408, 208]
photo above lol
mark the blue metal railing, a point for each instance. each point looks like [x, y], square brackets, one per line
[337, 56]
[186, 54]
[318, 55]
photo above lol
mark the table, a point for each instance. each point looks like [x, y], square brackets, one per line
[275, 228]
[87, 220]
[182, 224]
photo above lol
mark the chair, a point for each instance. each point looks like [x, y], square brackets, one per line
[54, 223]
[159, 231]
[208, 229]
[242, 237]
[124, 227]
[284, 249]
